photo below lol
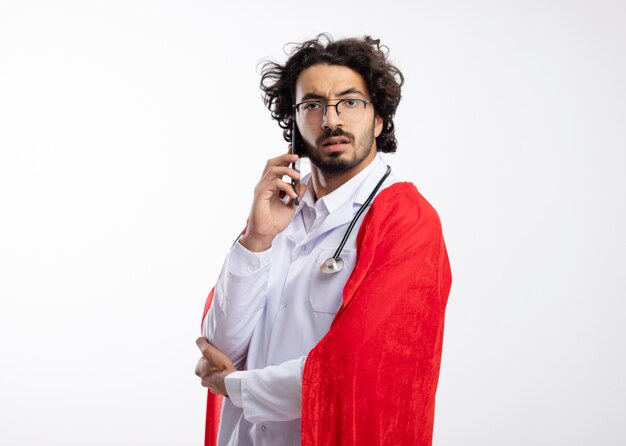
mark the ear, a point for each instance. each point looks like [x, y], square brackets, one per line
[378, 125]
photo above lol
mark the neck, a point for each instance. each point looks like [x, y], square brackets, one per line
[324, 182]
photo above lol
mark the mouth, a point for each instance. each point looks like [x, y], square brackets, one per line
[335, 143]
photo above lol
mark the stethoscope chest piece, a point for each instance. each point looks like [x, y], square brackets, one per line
[332, 265]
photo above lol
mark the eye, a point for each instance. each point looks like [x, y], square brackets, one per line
[352, 103]
[311, 106]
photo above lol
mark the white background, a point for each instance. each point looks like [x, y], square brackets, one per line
[131, 136]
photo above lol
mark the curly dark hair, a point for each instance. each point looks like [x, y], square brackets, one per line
[364, 55]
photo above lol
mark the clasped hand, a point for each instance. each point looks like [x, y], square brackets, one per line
[213, 367]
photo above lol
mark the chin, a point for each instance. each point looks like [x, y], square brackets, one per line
[335, 163]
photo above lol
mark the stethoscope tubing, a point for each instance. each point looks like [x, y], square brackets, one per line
[356, 217]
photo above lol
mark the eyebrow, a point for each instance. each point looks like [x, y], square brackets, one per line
[317, 96]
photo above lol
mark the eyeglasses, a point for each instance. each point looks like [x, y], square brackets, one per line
[349, 110]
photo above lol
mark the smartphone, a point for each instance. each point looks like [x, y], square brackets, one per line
[295, 145]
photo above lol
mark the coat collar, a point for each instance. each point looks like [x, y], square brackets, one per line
[341, 205]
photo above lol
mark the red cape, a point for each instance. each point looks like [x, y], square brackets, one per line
[213, 401]
[372, 378]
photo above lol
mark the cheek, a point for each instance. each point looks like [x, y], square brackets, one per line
[306, 136]
[309, 135]
[303, 130]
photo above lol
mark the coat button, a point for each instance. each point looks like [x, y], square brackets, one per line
[263, 427]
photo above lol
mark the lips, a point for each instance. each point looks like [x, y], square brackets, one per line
[335, 140]
[335, 144]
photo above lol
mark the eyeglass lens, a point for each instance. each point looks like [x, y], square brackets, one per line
[349, 110]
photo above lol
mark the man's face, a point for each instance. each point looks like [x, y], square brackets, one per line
[333, 145]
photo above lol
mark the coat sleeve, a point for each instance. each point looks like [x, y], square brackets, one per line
[238, 301]
[230, 314]
[269, 394]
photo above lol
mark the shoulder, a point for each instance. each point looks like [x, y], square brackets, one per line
[400, 232]
[400, 221]
[401, 203]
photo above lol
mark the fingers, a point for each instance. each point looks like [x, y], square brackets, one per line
[296, 195]
[205, 373]
[275, 170]
[203, 344]
[209, 352]
[202, 367]
[269, 187]
[214, 359]
[280, 185]
[282, 160]
[213, 369]
[299, 192]
[279, 172]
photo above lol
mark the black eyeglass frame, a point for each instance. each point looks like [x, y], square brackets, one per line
[325, 104]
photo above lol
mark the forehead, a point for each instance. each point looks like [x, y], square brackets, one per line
[328, 81]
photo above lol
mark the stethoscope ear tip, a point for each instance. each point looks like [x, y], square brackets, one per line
[332, 265]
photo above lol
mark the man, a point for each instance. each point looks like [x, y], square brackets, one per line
[311, 345]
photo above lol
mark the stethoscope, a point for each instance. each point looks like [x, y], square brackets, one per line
[334, 264]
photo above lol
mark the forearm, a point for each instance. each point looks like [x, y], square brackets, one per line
[273, 393]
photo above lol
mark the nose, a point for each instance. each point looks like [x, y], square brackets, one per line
[331, 119]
